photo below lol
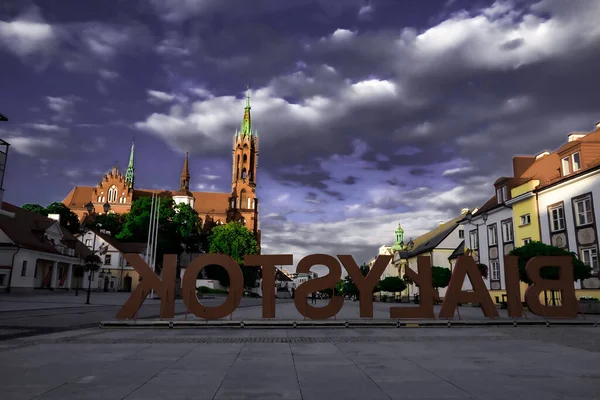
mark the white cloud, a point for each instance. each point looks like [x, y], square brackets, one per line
[342, 34]
[454, 171]
[28, 34]
[365, 11]
[108, 75]
[47, 127]
[32, 146]
[156, 95]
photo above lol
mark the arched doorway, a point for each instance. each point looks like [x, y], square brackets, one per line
[106, 283]
[127, 283]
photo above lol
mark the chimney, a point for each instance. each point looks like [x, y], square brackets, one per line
[464, 211]
[55, 217]
[575, 136]
[542, 154]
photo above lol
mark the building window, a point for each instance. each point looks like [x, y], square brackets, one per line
[461, 234]
[112, 194]
[24, 268]
[576, 162]
[88, 242]
[526, 241]
[507, 231]
[566, 166]
[107, 259]
[502, 194]
[3, 280]
[492, 235]
[589, 256]
[473, 240]
[494, 270]
[557, 218]
[525, 219]
[583, 211]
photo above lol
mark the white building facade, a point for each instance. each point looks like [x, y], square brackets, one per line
[567, 217]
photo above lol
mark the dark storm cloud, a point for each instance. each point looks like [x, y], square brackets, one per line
[350, 180]
[419, 171]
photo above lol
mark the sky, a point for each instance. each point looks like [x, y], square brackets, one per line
[369, 113]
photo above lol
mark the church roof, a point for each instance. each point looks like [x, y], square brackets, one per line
[204, 202]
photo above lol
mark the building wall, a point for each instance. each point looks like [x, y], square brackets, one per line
[526, 206]
[572, 238]
[486, 253]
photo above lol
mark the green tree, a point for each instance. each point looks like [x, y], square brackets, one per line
[534, 249]
[392, 284]
[339, 289]
[36, 208]
[236, 241]
[137, 223]
[187, 222]
[440, 277]
[68, 218]
[110, 222]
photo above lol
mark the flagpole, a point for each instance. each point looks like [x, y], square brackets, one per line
[155, 241]
[150, 237]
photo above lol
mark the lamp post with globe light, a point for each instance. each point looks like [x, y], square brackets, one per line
[399, 251]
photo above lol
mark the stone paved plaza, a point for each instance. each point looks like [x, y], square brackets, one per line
[526, 362]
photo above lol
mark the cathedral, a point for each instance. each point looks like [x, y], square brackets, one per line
[119, 191]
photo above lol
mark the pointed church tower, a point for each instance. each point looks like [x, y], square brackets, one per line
[243, 203]
[183, 195]
[129, 175]
[184, 182]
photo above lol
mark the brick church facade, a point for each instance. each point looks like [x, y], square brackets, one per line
[241, 204]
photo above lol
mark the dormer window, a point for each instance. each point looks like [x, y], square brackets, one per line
[566, 166]
[576, 162]
[502, 194]
[571, 163]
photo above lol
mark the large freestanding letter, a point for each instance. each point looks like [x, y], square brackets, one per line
[423, 279]
[465, 265]
[148, 281]
[236, 286]
[568, 308]
[513, 289]
[268, 263]
[365, 284]
[315, 285]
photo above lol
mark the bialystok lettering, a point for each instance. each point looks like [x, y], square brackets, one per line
[465, 266]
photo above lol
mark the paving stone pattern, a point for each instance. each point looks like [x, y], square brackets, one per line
[346, 364]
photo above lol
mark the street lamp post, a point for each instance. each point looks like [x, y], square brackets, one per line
[469, 218]
[90, 209]
[398, 248]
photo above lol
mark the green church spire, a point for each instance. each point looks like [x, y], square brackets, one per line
[246, 129]
[129, 177]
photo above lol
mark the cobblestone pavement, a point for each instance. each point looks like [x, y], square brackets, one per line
[362, 363]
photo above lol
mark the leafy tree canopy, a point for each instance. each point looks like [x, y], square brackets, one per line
[92, 263]
[187, 222]
[137, 223]
[36, 208]
[392, 284]
[440, 277]
[533, 249]
[236, 241]
[110, 222]
[68, 218]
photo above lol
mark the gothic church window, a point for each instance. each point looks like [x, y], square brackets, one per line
[245, 158]
[99, 199]
[244, 173]
[249, 202]
[112, 194]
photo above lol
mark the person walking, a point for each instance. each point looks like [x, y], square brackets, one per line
[313, 297]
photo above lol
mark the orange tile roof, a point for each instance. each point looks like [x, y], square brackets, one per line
[204, 202]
